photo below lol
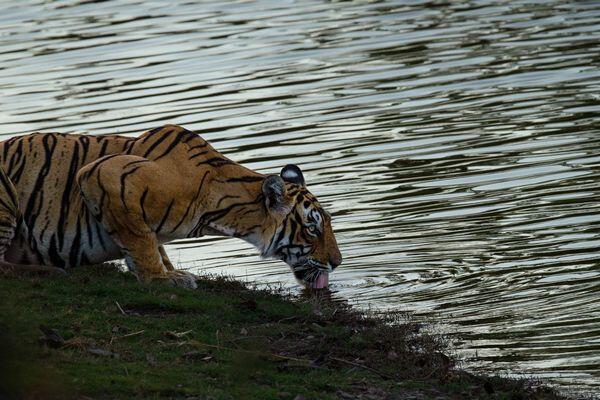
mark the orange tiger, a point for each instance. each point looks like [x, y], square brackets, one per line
[68, 200]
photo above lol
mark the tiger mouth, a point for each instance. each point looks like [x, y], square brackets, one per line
[311, 276]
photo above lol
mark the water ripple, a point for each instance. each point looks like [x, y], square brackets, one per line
[455, 143]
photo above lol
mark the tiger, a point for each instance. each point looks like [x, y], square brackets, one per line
[74, 199]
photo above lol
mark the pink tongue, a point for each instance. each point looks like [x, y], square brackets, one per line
[321, 282]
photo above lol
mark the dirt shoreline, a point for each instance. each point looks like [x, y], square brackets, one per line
[98, 334]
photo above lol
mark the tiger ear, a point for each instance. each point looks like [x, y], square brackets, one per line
[292, 173]
[275, 195]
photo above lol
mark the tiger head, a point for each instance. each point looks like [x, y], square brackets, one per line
[303, 237]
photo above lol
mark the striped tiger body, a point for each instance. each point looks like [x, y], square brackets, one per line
[67, 200]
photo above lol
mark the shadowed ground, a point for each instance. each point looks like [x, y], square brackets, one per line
[99, 334]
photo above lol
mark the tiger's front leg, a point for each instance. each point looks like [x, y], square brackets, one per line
[127, 195]
[165, 259]
[144, 257]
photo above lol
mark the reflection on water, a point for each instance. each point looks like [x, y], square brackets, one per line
[456, 144]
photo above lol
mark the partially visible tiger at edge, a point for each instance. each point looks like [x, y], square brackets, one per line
[69, 200]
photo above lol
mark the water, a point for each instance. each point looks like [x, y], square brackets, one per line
[456, 145]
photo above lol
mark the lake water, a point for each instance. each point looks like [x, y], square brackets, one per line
[457, 145]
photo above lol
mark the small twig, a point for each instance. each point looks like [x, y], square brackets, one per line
[132, 334]
[247, 337]
[177, 335]
[120, 308]
[430, 374]
[214, 346]
[307, 362]
[293, 317]
[113, 338]
[375, 371]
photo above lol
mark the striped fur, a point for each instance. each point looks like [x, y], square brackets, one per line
[67, 200]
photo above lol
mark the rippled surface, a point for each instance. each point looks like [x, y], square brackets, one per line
[456, 145]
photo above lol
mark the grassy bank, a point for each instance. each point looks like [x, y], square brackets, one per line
[99, 334]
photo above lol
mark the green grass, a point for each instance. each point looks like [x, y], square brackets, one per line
[120, 339]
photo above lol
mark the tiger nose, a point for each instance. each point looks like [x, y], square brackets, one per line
[335, 260]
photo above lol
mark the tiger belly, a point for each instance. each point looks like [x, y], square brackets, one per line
[87, 246]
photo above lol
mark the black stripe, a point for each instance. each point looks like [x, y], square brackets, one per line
[7, 145]
[246, 179]
[191, 203]
[199, 146]
[17, 155]
[39, 201]
[101, 205]
[293, 228]
[250, 212]
[65, 203]
[216, 162]
[277, 238]
[49, 142]
[16, 176]
[123, 177]
[212, 216]
[43, 231]
[164, 218]
[88, 225]
[174, 143]
[135, 162]
[55, 258]
[8, 207]
[152, 132]
[224, 198]
[191, 136]
[8, 187]
[304, 235]
[75, 246]
[142, 199]
[103, 149]
[156, 143]
[99, 234]
[297, 217]
[199, 154]
[97, 164]
[128, 148]
[4, 224]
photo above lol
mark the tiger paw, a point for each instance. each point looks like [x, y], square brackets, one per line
[182, 279]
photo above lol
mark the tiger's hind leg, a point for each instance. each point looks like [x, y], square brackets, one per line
[11, 223]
